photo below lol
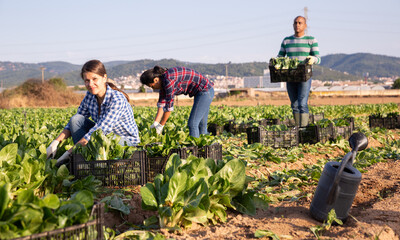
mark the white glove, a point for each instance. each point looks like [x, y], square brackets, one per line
[63, 158]
[154, 124]
[159, 129]
[52, 149]
[310, 60]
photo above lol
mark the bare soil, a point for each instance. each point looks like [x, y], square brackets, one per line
[375, 213]
[283, 99]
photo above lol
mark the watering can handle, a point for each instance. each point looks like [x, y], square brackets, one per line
[334, 189]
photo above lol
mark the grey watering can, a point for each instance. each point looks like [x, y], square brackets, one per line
[338, 183]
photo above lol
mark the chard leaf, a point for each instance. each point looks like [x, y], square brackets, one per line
[194, 195]
[71, 210]
[245, 204]
[198, 215]
[234, 173]
[8, 154]
[218, 212]
[4, 197]
[62, 171]
[116, 203]
[25, 197]
[51, 201]
[197, 169]
[85, 197]
[30, 218]
[148, 194]
[177, 186]
[29, 167]
[172, 165]
[161, 188]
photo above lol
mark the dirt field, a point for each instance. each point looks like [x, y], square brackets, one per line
[283, 100]
[375, 213]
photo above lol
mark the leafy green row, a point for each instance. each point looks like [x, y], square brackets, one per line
[197, 190]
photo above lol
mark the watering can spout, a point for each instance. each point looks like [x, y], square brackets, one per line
[358, 141]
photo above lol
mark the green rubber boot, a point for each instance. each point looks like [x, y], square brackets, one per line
[296, 119]
[304, 119]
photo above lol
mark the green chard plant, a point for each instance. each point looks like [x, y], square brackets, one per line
[197, 190]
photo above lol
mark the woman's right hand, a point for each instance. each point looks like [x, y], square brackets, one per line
[52, 149]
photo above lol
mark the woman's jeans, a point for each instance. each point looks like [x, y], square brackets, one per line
[197, 123]
[298, 94]
[79, 126]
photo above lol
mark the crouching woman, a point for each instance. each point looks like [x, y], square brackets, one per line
[108, 108]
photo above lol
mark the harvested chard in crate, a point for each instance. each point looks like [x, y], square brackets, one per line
[284, 69]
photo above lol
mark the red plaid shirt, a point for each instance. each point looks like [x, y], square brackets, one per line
[180, 80]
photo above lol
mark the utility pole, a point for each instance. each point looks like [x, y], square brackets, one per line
[42, 68]
[226, 69]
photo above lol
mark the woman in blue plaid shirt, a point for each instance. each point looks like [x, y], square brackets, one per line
[108, 107]
[176, 81]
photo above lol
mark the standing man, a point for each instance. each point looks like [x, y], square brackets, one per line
[303, 48]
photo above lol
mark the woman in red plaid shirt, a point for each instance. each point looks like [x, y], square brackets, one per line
[176, 81]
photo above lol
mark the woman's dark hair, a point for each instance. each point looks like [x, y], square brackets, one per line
[148, 76]
[97, 67]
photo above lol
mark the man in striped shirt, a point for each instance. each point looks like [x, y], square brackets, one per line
[303, 48]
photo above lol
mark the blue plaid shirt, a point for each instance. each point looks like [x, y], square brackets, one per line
[180, 80]
[116, 115]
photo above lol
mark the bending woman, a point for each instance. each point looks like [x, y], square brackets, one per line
[108, 107]
[176, 81]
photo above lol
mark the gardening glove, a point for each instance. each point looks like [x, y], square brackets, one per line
[52, 149]
[63, 159]
[154, 124]
[159, 129]
[310, 60]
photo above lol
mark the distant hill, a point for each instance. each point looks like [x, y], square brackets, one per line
[360, 63]
[15, 73]
[333, 67]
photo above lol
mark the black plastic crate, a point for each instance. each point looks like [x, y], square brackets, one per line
[185, 151]
[155, 165]
[313, 118]
[235, 128]
[302, 73]
[391, 122]
[215, 129]
[124, 172]
[268, 122]
[275, 139]
[343, 131]
[91, 230]
[288, 122]
[213, 151]
[314, 133]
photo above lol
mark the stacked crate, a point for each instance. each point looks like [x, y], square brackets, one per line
[389, 122]
[91, 230]
[123, 172]
[275, 139]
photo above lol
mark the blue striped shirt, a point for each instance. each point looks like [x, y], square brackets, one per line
[300, 48]
[116, 116]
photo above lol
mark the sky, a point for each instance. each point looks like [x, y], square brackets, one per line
[202, 31]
